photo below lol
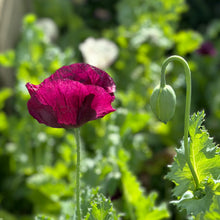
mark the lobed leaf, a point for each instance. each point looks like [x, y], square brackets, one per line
[99, 207]
[204, 156]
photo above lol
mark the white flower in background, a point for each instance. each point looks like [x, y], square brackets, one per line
[49, 27]
[99, 52]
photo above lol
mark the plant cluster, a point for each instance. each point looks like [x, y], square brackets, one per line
[125, 155]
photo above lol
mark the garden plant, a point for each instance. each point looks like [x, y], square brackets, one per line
[78, 93]
[126, 94]
[195, 170]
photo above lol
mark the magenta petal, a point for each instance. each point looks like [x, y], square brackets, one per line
[61, 99]
[39, 110]
[43, 114]
[32, 88]
[72, 96]
[86, 74]
[95, 105]
[67, 103]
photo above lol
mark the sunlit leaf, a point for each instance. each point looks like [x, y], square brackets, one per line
[140, 205]
[205, 159]
[7, 58]
[4, 95]
[187, 41]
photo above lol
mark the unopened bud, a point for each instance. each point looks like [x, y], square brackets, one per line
[163, 102]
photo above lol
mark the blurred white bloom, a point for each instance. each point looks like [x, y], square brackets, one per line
[152, 35]
[99, 52]
[49, 27]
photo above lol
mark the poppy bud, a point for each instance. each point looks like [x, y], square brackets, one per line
[163, 102]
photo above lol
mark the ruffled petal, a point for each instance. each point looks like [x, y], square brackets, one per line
[86, 74]
[32, 88]
[43, 113]
[69, 100]
[72, 96]
[95, 105]
[39, 109]
[61, 99]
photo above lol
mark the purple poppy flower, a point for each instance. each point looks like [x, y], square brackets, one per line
[72, 96]
[207, 48]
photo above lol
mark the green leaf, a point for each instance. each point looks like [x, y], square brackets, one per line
[101, 208]
[7, 58]
[214, 213]
[204, 153]
[187, 41]
[47, 192]
[139, 205]
[5, 93]
[4, 122]
[196, 205]
[204, 156]
[98, 206]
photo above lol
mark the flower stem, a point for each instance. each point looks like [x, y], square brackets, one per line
[78, 211]
[187, 108]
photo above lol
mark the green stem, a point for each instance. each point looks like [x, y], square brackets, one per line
[78, 211]
[187, 108]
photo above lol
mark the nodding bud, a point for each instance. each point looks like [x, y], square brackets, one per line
[163, 102]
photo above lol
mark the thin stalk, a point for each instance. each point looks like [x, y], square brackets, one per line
[187, 108]
[78, 211]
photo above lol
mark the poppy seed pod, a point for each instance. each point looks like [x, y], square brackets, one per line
[163, 102]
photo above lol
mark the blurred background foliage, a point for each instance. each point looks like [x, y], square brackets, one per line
[126, 153]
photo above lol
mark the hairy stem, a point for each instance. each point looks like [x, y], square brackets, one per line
[78, 211]
[187, 108]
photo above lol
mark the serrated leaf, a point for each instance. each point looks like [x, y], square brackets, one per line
[204, 156]
[179, 173]
[144, 206]
[100, 208]
[193, 204]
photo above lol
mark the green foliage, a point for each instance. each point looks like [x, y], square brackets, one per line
[159, 11]
[6, 215]
[99, 208]
[5, 93]
[7, 58]
[37, 163]
[139, 205]
[95, 206]
[205, 159]
[213, 212]
[36, 55]
[187, 42]
[59, 10]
